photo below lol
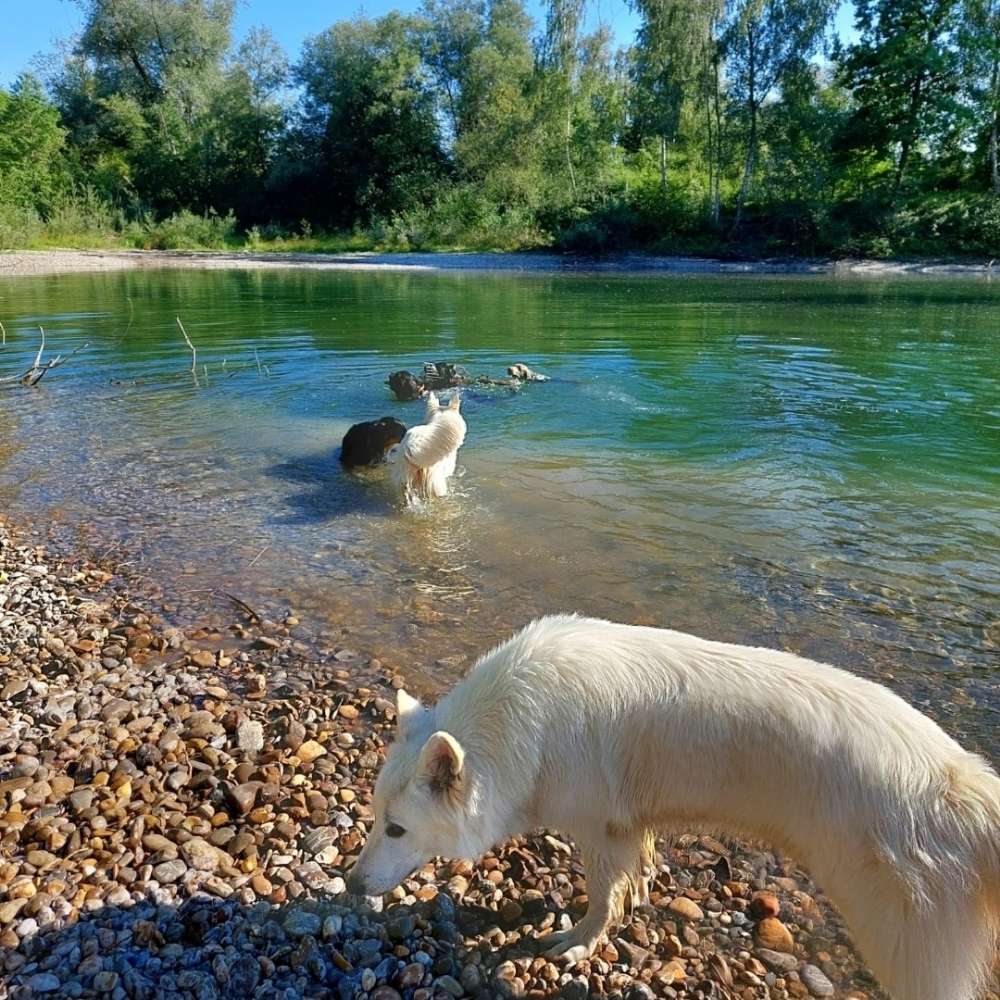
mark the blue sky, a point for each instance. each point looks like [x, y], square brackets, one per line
[32, 27]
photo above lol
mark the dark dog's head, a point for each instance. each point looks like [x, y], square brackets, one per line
[406, 386]
[367, 443]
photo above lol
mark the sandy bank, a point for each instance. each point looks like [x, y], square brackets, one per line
[47, 262]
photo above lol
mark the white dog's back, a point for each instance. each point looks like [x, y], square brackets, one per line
[423, 462]
[664, 730]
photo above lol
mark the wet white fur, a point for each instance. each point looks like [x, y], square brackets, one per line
[423, 462]
[607, 731]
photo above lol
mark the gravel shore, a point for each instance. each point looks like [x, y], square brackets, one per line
[178, 809]
[44, 262]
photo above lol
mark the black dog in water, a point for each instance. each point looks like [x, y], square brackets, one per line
[440, 375]
[406, 386]
[367, 443]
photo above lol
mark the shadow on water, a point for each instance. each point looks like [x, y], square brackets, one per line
[328, 490]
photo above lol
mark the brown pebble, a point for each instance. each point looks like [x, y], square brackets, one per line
[686, 909]
[764, 904]
[771, 933]
[310, 751]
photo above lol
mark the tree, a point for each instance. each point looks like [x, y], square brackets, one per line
[497, 138]
[904, 76]
[369, 119]
[161, 117]
[802, 170]
[452, 30]
[669, 54]
[151, 48]
[764, 40]
[558, 65]
[31, 146]
[252, 116]
[980, 53]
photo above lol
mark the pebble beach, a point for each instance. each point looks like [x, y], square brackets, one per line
[178, 809]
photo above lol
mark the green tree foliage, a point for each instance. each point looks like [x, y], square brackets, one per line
[980, 67]
[720, 128]
[765, 41]
[904, 76]
[31, 146]
[672, 52]
[158, 117]
[370, 130]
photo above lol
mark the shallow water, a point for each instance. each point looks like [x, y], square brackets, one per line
[808, 463]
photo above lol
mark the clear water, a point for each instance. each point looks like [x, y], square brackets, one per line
[808, 463]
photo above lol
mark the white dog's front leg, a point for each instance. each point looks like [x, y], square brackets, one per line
[609, 871]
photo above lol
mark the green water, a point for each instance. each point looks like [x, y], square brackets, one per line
[810, 463]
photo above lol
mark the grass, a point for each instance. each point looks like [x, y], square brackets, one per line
[957, 228]
[174, 237]
[321, 243]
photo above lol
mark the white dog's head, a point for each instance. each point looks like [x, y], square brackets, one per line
[419, 803]
[434, 404]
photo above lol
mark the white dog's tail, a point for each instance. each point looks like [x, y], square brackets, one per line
[975, 801]
[981, 802]
[957, 905]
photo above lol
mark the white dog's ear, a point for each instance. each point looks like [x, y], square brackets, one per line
[455, 401]
[408, 709]
[433, 404]
[441, 762]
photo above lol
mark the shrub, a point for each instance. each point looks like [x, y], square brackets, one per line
[602, 230]
[82, 217]
[19, 227]
[948, 224]
[187, 231]
[461, 217]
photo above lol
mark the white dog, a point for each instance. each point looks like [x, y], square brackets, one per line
[610, 732]
[423, 462]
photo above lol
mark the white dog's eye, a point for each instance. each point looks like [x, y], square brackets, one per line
[394, 830]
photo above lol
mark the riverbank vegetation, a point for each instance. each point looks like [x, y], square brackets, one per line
[725, 126]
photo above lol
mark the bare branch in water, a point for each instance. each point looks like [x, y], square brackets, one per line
[41, 347]
[259, 554]
[3, 334]
[194, 353]
[246, 608]
[257, 359]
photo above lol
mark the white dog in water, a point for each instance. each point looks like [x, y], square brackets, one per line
[612, 733]
[423, 462]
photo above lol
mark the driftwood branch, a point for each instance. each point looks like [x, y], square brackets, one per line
[54, 363]
[3, 334]
[38, 371]
[245, 607]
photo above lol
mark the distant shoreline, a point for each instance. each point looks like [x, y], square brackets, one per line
[24, 263]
